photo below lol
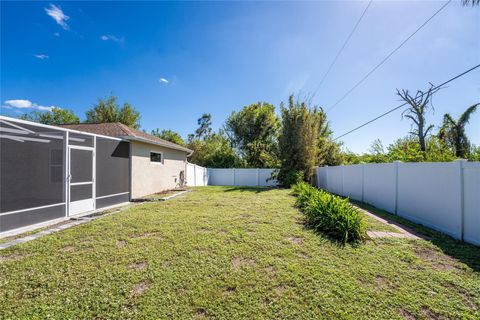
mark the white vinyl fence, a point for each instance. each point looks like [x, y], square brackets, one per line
[196, 176]
[241, 177]
[442, 195]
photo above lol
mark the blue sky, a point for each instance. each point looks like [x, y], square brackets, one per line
[175, 61]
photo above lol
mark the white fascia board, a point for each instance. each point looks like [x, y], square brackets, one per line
[158, 143]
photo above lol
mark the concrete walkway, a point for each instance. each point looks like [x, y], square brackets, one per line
[403, 232]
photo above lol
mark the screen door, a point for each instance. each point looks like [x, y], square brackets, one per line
[81, 180]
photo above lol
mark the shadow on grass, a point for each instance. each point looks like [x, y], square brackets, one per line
[249, 189]
[463, 252]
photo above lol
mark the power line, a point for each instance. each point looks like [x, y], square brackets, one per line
[343, 47]
[403, 104]
[387, 57]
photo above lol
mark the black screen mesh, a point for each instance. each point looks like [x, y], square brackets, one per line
[32, 173]
[112, 167]
[81, 192]
[32, 166]
[75, 139]
[81, 165]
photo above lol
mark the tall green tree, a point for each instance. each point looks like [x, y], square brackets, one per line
[204, 126]
[214, 151]
[254, 133]
[53, 117]
[418, 107]
[298, 141]
[108, 110]
[169, 135]
[329, 151]
[453, 132]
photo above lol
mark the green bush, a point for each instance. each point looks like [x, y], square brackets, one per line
[329, 214]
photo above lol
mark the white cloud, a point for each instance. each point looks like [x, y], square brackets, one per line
[57, 34]
[57, 14]
[41, 56]
[111, 37]
[163, 80]
[25, 104]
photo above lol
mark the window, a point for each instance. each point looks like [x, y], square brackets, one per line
[156, 157]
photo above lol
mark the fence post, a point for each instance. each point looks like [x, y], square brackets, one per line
[396, 165]
[363, 181]
[326, 178]
[343, 170]
[233, 177]
[194, 175]
[258, 177]
[459, 163]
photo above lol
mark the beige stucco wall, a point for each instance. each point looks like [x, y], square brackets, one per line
[150, 177]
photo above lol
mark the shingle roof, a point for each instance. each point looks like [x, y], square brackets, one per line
[119, 130]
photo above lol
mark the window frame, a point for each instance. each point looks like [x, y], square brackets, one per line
[156, 162]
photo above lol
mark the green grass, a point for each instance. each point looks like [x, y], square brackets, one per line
[373, 224]
[233, 253]
[162, 195]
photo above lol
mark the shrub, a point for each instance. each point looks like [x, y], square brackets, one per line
[329, 214]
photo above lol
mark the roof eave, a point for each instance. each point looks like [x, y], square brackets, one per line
[158, 143]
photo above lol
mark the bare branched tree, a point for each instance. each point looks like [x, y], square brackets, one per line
[418, 107]
[471, 2]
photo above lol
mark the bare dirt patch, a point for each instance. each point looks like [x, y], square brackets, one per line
[407, 315]
[437, 260]
[381, 282]
[68, 249]
[304, 255]
[245, 215]
[121, 243]
[150, 234]
[222, 232]
[14, 257]
[166, 264]
[138, 265]
[295, 240]
[139, 289]
[200, 313]
[280, 289]
[270, 271]
[467, 298]
[240, 262]
[228, 291]
[429, 314]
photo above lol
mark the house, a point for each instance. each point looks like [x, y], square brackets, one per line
[50, 173]
[156, 164]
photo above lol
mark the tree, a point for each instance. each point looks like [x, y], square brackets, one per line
[419, 105]
[214, 151]
[472, 2]
[452, 132]
[107, 110]
[329, 151]
[53, 117]
[169, 135]
[204, 126]
[298, 141]
[254, 132]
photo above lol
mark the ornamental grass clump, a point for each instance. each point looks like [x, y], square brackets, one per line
[329, 214]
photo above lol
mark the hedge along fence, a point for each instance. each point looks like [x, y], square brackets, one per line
[442, 195]
[329, 214]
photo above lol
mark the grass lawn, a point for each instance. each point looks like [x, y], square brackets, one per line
[232, 253]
